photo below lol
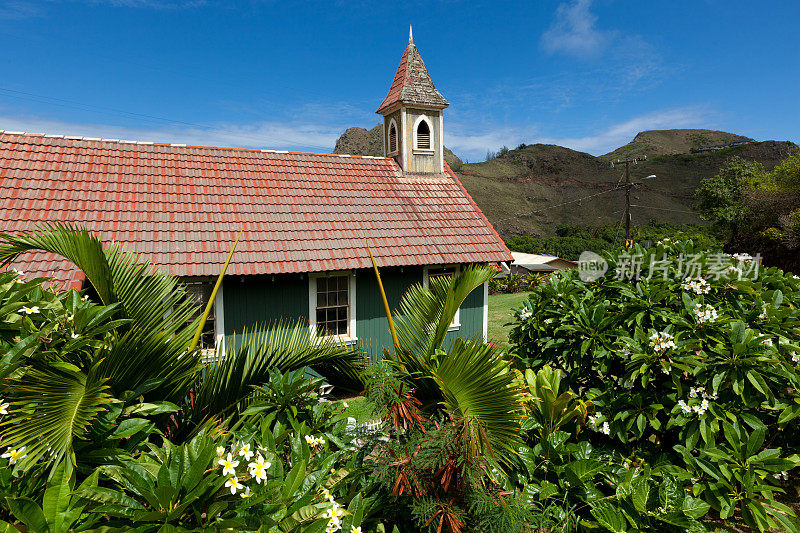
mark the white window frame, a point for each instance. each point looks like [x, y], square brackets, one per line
[417, 149]
[209, 354]
[396, 150]
[351, 337]
[219, 315]
[455, 325]
[485, 311]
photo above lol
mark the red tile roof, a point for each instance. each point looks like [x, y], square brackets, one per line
[412, 84]
[182, 206]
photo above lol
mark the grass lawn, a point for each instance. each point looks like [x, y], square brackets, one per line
[500, 306]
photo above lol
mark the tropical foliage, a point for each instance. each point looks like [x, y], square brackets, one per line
[644, 402]
[695, 380]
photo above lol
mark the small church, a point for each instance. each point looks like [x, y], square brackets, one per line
[307, 218]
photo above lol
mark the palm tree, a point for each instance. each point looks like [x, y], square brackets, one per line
[467, 379]
[147, 352]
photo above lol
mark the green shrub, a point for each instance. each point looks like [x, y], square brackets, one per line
[700, 375]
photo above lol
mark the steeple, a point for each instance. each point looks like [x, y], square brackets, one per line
[412, 115]
[412, 84]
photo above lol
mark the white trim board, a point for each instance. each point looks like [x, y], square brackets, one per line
[219, 317]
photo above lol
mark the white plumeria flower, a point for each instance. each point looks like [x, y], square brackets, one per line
[684, 407]
[766, 342]
[327, 495]
[525, 314]
[246, 452]
[662, 341]
[220, 451]
[344, 404]
[705, 313]
[354, 529]
[697, 286]
[258, 469]
[246, 493]
[14, 456]
[334, 525]
[70, 318]
[606, 428]
[3, 407]
[795, 357]
[19, 273]
[73, 335]
[228, 465]
[31, 310]
[233, 483]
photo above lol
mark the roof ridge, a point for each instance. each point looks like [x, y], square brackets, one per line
[179, 145]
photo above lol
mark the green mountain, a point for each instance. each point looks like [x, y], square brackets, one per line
[532, 189]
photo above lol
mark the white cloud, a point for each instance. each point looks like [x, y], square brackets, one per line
[574, 31]
[272, 135]
[622, 133]
[474, 146]
[18, 9]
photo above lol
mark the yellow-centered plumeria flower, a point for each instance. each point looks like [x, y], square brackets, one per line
[246, 493]
[246, 452]
[14, 455]
[228, 465]
[258, 469]
[220, 451]
[314, 441]
[344, 404]
[354, 529]
[335, 511]
[327, 495]
[31, 310]
[334, 525]
[233, 483]
[3, 407]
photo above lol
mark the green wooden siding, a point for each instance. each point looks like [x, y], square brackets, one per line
[262, 300]
[372, 328]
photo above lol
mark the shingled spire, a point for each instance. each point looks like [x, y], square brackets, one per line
[412, 85]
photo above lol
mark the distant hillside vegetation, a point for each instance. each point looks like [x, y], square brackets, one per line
[532, 189]
[661, 142]
[359, 141]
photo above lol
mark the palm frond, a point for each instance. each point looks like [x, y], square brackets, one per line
[76, 244]
[230, 379]
[152, 348]
[52, 406]
[478, 386]
[425, 315]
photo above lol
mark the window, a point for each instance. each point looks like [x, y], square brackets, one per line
[392, 137]
[198, 291]
[423, 136]
[332, 305]
[440, 272]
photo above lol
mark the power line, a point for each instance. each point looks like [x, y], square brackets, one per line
[558, 205]
[89, 107]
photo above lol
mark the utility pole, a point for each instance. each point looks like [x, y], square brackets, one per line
[628, 187]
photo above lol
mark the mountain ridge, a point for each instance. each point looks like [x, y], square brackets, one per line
[531, 189]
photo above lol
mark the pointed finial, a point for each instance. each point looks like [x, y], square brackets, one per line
[410, 35]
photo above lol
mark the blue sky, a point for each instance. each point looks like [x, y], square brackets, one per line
[587, 74]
